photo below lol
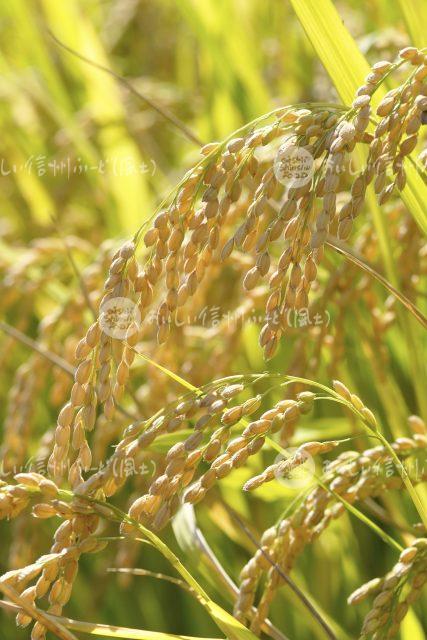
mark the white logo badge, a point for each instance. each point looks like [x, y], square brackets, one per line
[298, 474]
[293, 165]
[119, 318]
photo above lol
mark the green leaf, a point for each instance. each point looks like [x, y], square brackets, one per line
[347, 69]
[333, 44]
[104, 630]
[112, 631]
[415, 16]
[411, 628]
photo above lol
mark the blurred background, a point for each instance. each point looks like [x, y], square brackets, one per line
[78, 147]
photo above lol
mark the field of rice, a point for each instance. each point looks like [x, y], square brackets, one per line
[213, 315]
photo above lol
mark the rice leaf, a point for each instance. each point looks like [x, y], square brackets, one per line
[347, 69]
[415, 16]
[104, 630]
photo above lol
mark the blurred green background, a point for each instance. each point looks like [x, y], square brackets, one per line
[75, 144]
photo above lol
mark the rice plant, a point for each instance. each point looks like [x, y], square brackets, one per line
[213, 321]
